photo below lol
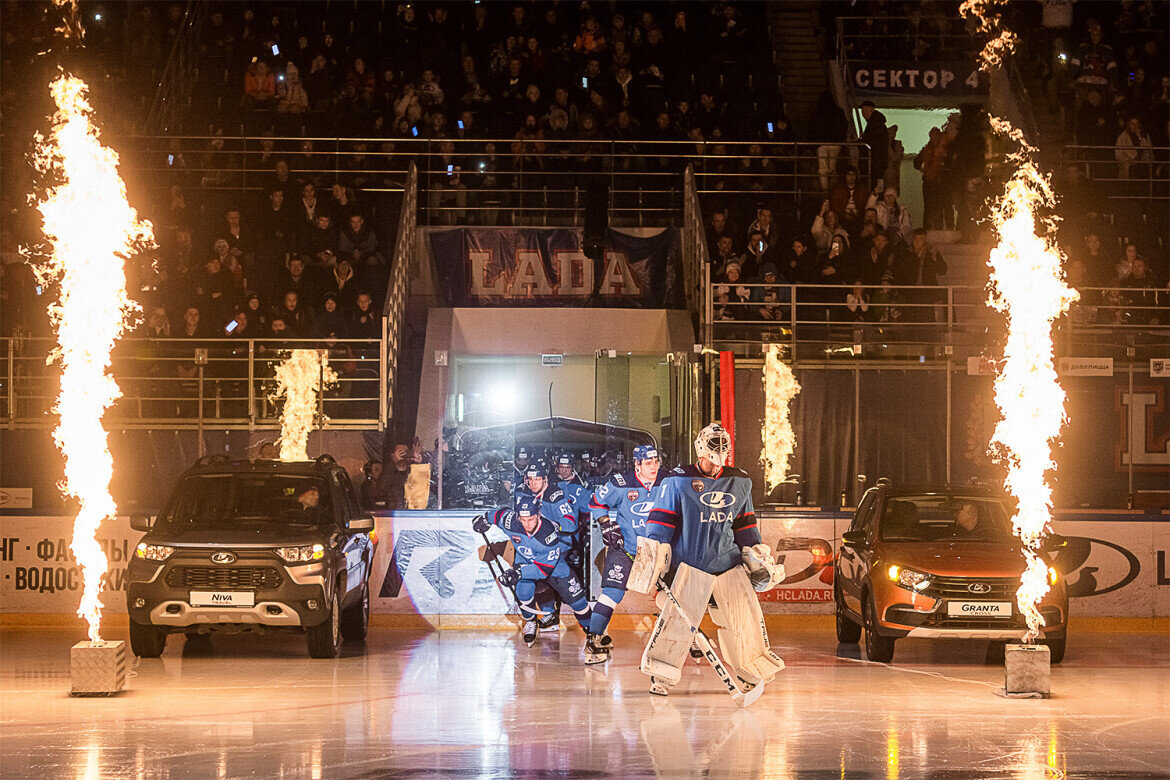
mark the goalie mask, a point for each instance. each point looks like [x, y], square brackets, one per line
[714, 444]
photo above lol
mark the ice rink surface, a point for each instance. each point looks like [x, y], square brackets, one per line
[480, 704]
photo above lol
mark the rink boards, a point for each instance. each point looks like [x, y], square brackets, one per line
[428, 565]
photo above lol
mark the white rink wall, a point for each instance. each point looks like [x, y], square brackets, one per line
[1116, 564]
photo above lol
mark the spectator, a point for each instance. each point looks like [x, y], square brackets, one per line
[394, 478]
[833, 128]
[724, 254]
[259, 87]
[890, 216]
[365, 322]
[848, 198]
[371, 494]
[876, 134]
[359, 242]
[931, 160]
[297, 319]
[1139, 293]
[331, 322]
[799, 265]
[297, 279]
[341, 282]
[274, 221]
[1095, 121]
[894, 156]
[1094, 65]
[254, 311]
[826, 227]
[759, 252]
[717, 227]
[874, 262]
[1133, 151]
[292, 98]
[772, 297]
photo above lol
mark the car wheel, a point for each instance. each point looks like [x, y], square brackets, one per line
[355, 620]
[147, 641]
[1055, 649]
[877, 647]
[325, 639]
[848, 632]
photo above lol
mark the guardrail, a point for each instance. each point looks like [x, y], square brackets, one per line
[180, 383]
[905, 38]
[922, 322]
[398, 290]
[530, 181]
[1124, 173]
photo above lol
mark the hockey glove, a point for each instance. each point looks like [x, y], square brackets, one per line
[611, 534]
[480, 524]
[509, 577]
[763, 572]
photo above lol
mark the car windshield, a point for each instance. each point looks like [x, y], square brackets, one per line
[226, 499]
[945, 518]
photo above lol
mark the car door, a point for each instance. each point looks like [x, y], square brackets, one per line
[854, 559]
[357, 544]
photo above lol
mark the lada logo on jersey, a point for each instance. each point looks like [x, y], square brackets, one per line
[642, 507]
[698, 485]
[632, 495]
[717, 499]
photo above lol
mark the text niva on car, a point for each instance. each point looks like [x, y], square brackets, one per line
[254, 545]
[938, 562]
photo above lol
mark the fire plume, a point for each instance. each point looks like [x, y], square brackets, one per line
[1028, 287]
[780, 387]
[299, 380]
[91, 230]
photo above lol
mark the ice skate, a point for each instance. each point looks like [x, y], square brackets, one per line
[598, 649]
[528, 632]
[658, 688]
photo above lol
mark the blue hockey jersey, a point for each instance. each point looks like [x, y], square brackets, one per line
[625, 499]
[537, 554]
[706, 519]
[578, 495]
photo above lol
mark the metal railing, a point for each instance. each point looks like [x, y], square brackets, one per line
[922, 322]
[903, 38]
[1125, 174]
[181, 383]
[398, 290]
[521, 181]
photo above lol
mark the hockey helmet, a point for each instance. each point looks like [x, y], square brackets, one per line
[522, 454]
[714, 444]
[564, 459]
[645, 452]
[527, 506]
[536, 470]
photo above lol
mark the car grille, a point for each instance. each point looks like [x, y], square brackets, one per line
[957, 588]
[224, 577]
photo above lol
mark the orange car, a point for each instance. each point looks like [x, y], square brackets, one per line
[937, 562]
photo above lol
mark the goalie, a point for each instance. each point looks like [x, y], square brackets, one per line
[703, 530]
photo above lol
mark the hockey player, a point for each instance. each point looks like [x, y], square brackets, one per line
[519, 468]
[538, 534]
[578, 493]
[536, 485]
[703, 525]
[620, 507]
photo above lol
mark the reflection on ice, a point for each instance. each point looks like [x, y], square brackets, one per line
[482, 704]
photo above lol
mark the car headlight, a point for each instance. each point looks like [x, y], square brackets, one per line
[153, 552]
[908, 578]
[1053, 576]
[304, 554]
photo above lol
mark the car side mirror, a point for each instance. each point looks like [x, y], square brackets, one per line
[141, 522]
[360, 525]
[853, 539]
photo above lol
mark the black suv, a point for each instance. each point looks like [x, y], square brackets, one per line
[254, 545]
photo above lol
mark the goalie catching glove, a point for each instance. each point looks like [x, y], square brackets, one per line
[763, 572]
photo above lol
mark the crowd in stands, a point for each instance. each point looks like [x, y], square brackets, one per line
[283, 239]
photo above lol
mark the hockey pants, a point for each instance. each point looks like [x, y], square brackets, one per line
[735, 609]
[568, 587]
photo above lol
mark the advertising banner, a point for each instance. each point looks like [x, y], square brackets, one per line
[882, 78]
[548, 267]
[428, 564]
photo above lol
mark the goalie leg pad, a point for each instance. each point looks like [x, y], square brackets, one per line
[743, 638]
[670, 642]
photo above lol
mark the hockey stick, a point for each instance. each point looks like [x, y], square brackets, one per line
[738, 695]
[497, 570]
